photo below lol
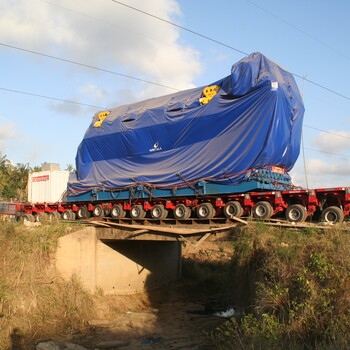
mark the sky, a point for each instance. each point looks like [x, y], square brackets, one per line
[309, 38]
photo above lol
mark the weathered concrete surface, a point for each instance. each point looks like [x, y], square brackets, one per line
[117, 267]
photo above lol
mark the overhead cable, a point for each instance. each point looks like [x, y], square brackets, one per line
[299, 30]
[327, 132]
[220, 43]
[181, 27]
[87, 66]
[318, 150]
[50, 98]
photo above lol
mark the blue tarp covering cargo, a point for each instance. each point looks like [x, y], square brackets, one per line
[219, 133]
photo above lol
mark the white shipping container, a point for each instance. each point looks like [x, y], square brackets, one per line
[47, 186]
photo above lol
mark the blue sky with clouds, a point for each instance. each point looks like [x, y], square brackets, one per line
[309, 38]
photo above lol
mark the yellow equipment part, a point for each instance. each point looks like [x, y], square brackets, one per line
[101, 117]
[208, 93]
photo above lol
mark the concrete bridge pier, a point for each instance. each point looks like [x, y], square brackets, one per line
[117, 266]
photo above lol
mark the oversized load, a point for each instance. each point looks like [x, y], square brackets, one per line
[221, 133]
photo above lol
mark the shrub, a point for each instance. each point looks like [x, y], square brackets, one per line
[294, 290]
[34, 302]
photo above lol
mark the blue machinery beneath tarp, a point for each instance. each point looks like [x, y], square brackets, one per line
[275, 182]
[195, 142]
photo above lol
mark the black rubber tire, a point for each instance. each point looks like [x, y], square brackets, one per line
[233, 208]
[54, 216]
[117, 212]
[332, 214]
[42, 217]
[98, 211]
[181, 212]
[159, 212]
[262, 210]
[28, 218]
[296, 213]
[83, 213]
[137, 212]
[205, 211]
[68, 215]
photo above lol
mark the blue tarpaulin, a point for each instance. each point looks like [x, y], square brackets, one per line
[253, 122]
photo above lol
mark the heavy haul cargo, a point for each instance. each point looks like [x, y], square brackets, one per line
[223, 149]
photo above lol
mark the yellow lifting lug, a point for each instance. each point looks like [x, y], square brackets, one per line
[208, 93]
[101, 117]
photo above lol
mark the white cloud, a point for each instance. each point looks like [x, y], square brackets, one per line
[96, 97]
[69, 29]
[333, 143]
[8, 131]
[321, 174]
[93, 92]
[67, 108]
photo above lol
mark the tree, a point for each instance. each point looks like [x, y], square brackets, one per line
[70, 168]
[14, 182]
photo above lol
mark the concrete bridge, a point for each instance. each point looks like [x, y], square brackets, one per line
[124, 259]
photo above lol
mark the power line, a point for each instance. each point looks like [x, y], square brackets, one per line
[318, 150]
[87, 66]
[299, 30]
[111, 72]
[50, 98]
[135, 78]
[181, 27]
[105, 22]
[99, 107]
[220, 43]
[321, 86]
[328, 132]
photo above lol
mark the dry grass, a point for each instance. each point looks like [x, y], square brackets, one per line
[34, 302]
[294, 289]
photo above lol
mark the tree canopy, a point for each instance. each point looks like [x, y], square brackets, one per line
[13, 180]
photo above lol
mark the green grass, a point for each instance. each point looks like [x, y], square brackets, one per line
[293, 288]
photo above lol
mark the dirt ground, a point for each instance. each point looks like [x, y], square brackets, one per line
[173, 317]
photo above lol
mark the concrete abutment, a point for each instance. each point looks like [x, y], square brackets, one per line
[117, 266]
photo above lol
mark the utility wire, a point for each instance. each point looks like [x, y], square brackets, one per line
[50, 98]
[322, 86]
[318, 150]
[327, 132]
[111, 72]
[105, 22]
[87, 66]
[181, 27]
[220, 43]
[299, 30]
[139, 79]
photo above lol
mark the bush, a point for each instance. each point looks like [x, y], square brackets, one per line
[34, 301]
[294, 289]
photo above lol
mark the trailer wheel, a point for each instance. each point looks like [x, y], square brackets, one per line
[159, 212]
[233, 208]
[181, 212]
[68, 215]
[137, 212]
[117, 212]
[296, 213]
[54, 216]
[262, 210]
[205, 211]
[332, 214]
[28, 218]
[42, 217]
[83, 213]
[98, 211]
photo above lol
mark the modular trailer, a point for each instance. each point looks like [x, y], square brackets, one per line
[296, 205]
[224, 149]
